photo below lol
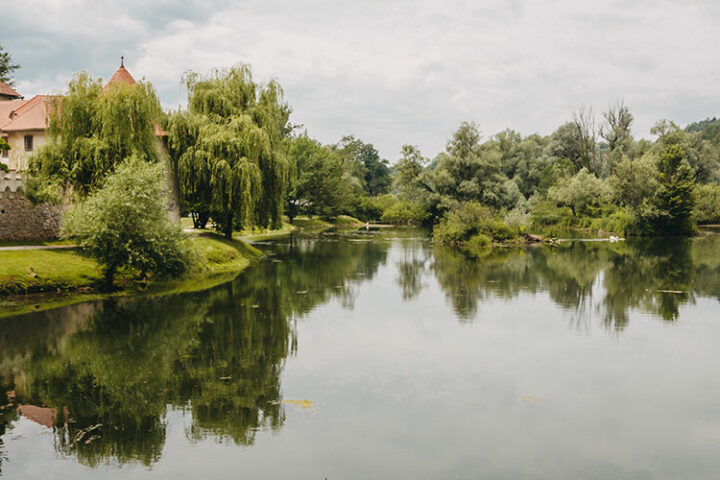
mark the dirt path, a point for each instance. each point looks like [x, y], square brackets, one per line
[37, 247]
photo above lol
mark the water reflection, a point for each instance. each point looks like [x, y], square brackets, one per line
[105, 375]
[589, 279]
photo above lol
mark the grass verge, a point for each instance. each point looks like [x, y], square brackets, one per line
[28, 276]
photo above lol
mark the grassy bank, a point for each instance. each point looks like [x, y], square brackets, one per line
[316, 223]
[43, 271]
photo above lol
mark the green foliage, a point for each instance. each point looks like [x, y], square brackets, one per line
[410, 173]
[467, 172]
[125, 224]
[91, 131]
[4, 147]
[469, 219]
[370, 208]
[362, 161]
[319, 184]
[7, 68]
[405, 212]
[228, 149]
[634, 181]
[579, 192]
[707, 203]
[676, 197]
[699, 153]
[552, 173]
[709, 129]
[576, 141]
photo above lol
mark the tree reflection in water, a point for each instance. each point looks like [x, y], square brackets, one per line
[655, 276]
[104, 374]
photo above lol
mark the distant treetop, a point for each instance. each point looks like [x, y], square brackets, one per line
[7, 67]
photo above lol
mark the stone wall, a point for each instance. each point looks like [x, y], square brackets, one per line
[19, 219]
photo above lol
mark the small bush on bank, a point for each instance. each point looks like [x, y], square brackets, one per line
[404, 212]
[125, 224]
[345, 220]
[473, 223]
[369, 208]
[546, 216]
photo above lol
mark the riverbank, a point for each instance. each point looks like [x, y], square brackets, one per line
[38, 279]
[44, 276]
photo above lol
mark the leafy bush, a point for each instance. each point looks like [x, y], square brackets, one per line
[366, 208]
[405, 212]
[546, 213]
[707, 203]
[346, 220]
[497, 230]
[478, 241]
[126, 224]
[471, 220]
[518, 218]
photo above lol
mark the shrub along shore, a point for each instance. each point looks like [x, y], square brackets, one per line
[37, 279]
[43, 271]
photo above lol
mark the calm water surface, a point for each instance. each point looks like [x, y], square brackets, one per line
[377, 355]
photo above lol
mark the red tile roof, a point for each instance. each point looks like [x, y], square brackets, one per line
[7, 91]
[122, 76]
[30, 115]
[24, 115]
[6, 108]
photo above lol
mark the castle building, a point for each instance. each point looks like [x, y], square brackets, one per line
[23, 125]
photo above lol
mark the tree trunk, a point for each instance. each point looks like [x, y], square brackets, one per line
[200, 219]
[229, 226]
[109, 278]
[203, 218]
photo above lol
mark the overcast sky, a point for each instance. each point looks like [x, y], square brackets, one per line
[394, 72]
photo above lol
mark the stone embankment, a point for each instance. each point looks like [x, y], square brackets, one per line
[20, 219]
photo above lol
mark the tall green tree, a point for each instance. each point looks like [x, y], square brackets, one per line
[465, 171]
[91, 131]
[7, 67]
[409, 173]
[362, 160]
[577, 141]
[319, 183]
[229, 148]
[616, 132]
[676, 197]
[579, 192]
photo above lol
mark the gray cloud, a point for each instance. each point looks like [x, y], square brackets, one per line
[396, 72]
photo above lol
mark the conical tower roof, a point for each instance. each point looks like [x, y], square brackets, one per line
[122, 76]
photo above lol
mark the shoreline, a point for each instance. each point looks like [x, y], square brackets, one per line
[25, 292]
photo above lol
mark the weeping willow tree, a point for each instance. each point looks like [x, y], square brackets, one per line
[91, 130]
[228, 150]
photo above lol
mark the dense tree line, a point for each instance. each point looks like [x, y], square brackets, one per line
[237, 161]
[580, 175]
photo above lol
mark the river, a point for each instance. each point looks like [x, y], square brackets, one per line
[375, 354]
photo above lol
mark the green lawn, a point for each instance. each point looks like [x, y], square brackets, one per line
[46, 270]
[32, 271]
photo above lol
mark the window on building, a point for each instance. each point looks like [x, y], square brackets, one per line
[28, 143]
[5, 152]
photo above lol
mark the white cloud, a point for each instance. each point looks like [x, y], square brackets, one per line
[403, 71]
